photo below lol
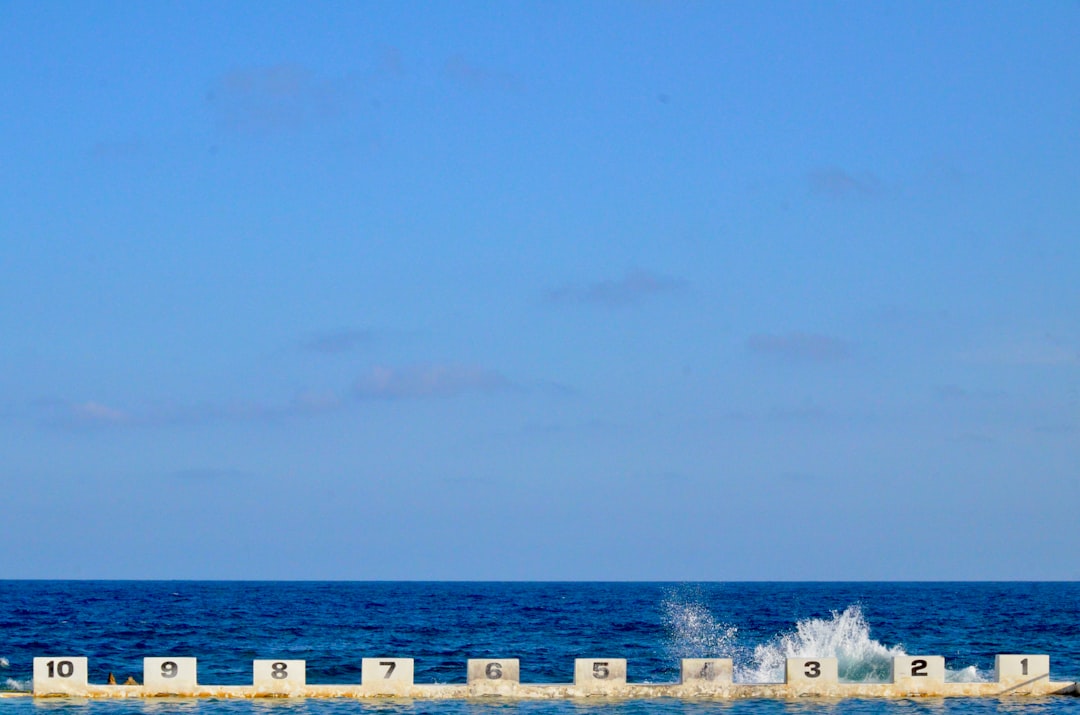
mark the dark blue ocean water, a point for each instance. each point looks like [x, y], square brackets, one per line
[333, 625]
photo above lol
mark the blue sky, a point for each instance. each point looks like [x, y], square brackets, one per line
[602, 290]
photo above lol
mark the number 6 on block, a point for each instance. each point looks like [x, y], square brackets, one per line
[169, 676]
[279, 676]
[493, 671]
[599, 674]
[60, 675]
[386, 676]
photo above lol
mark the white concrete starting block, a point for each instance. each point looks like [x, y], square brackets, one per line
[599, 674]
[280, 677]
[61, 675]
[386, 676]
[915, 673]
[494, 671]
[169, 676]
[809, 674]
[1013, 669]
[706, 672]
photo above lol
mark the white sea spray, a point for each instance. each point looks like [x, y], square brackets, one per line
[844, 636]
[970, 674]
[694, 632]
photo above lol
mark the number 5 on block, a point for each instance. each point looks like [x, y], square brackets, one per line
[60, 676]
[599, 674]
[279, 676]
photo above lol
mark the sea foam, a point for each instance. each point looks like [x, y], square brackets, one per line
[693, 632]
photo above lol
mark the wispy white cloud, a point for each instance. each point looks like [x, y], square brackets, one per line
[468, 74]
[424, 381]
[632, 288]
[835, 183]
[413, 382]
[210, 474]
[337, 341]
[96, 413]
[801, 347]
[1046, 352]
[276, 98]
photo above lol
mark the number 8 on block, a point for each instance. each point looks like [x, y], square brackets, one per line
[279, 676]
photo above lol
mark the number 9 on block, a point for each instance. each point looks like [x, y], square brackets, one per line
[169, 676]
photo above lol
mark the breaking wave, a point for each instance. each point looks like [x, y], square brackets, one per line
[693, 632]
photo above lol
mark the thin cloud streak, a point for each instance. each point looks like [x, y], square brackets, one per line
[339, 341]
[800, 347]
[835, 183]
[279, 98]
[631, 289]
[464, 73]
[417, 382]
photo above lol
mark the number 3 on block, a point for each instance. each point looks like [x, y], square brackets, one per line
[812, 671]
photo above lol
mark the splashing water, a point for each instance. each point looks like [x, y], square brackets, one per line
[4, 662]
[694, 632]
[845, 636]
[17, 685]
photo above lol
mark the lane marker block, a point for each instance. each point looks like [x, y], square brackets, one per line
[599, 674]
[60, 675]
[386, 676]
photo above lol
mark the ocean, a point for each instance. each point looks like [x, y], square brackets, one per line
[332, 625]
